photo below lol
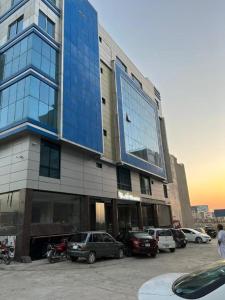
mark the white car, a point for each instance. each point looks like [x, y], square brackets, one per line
[164, 237]
[206, 284]
[196, 236]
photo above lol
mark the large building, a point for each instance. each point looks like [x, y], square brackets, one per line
[82, 137]
[179, 195]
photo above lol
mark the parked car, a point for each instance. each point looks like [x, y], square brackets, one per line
[138, 242]
[179, 238]
[92, 245]
[164, 238]
[207, 283]
[211, 232]
[196, 236]
[200, 229]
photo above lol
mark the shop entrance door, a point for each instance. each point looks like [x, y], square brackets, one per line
[128, 217]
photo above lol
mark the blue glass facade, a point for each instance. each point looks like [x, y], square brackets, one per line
[140, 137]
[31, 51]
[28, 99]
[82, 120]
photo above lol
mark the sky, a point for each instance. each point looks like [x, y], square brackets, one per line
[180, 46]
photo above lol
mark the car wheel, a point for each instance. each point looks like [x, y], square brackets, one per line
[198, 240]
[172, 250]
[177, 245]
[73, 258]
[120, 253]
[128, 252]
[91, 258]
[153, 255]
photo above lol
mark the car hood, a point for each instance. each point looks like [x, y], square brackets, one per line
[160, 285]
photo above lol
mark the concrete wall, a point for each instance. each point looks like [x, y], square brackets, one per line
[19, 169]
[14, 159]
[179, 195]
[108, 112]
[174, 193]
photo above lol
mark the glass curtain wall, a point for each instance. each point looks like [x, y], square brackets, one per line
[29, 98]
[30, 51]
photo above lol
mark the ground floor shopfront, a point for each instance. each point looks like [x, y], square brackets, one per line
[35, 218]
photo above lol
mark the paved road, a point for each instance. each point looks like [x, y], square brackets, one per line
[107, 279]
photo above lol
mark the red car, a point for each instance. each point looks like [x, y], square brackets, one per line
[138, 242]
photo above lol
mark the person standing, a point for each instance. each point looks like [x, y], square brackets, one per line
[221, 240]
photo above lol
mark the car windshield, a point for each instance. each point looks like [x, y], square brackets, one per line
[79, 238]
[140, 234]
[164, 233]
[200, 283]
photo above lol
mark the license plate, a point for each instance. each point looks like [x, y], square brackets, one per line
[166, 246]
[75, 247]
[147, 244]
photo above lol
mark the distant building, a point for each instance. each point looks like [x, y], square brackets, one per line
[200, 211]
[200, 208]
[219, 213]
[179, 195]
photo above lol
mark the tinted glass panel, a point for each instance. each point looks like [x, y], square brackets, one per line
[123, 179]
[50, 160]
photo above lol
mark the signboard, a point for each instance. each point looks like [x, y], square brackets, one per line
[128, 196]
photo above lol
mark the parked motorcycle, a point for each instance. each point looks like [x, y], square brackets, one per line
[57, 252]
[6, 254]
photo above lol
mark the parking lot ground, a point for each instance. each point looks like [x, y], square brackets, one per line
[105, 280]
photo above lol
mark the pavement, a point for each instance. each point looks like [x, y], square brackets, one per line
[105, 280]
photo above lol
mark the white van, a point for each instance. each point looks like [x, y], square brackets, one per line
[164, 237]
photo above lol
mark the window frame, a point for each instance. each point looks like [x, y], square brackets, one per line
[16, 22]
[120, 185]
[47, 21]
[165, 191]
[142, 183]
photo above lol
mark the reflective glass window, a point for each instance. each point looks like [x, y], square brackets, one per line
[15, 28]
[28, 98]
[140, 119]
[46, 24]
[32, 50]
